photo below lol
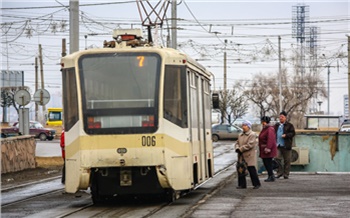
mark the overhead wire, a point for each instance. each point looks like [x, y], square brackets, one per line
[98, 22]
[80, 5]
[199, 22]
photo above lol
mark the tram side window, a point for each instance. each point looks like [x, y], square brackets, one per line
[70, 103]
[175, 98]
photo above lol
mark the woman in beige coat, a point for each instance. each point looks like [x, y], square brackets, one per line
[246, 148]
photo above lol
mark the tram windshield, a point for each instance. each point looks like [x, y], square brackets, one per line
[120, 90]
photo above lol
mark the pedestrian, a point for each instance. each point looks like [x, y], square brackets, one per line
[62, 145]
[267, 146]
[246, 149]
[285, 133]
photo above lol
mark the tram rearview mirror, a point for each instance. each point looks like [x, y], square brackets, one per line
[215, 99]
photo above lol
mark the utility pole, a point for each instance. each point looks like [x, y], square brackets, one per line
[348, 76]
[225, 84]
[174, 24]
[64, 53]
[225, 69]
[42, 76]
[64, 50]
[280, 72]
[73, 26]
[328, 74]
[328, 88]
[36, 87]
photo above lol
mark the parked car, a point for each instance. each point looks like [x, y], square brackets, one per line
[225, 131]
[346, 121]
[345, 128]
[35, 129]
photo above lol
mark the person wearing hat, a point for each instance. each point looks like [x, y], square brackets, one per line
[285, 133]
[267, 146]
[245, 147]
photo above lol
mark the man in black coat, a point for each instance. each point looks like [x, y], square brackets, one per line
[285, 133]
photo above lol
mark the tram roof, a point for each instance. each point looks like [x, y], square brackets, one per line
[164, 51]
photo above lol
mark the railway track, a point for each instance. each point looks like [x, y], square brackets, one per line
[47, 197]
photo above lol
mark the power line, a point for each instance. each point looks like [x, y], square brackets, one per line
[65, 6]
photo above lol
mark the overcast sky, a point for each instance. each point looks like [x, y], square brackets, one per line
[250, 27]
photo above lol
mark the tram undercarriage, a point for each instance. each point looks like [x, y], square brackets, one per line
[119, 182]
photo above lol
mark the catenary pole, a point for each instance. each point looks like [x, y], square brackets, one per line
[280, 73]
[173, 24]
[73, 26]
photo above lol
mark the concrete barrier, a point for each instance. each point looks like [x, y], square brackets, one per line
[325, 151]
[329, 151]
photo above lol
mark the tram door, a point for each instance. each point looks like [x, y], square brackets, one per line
[207, 127]
[197, 127]
[203, 126]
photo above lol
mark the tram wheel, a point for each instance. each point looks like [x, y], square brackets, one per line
[170, 195]
[96, 198]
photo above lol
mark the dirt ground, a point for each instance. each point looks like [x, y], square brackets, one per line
[47, 167]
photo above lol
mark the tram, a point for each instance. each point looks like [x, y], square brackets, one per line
[137, 120]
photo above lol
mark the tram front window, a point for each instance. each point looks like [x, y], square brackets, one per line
[120, 92]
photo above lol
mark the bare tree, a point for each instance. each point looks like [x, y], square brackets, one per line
[259, 92]
[233, 104]
[297, 92]
[7, 97]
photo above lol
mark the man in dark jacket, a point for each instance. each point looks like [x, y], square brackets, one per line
[285, 133]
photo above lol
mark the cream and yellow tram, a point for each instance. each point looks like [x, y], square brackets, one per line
[137, 121]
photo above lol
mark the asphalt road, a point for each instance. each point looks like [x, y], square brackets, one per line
[48, 148]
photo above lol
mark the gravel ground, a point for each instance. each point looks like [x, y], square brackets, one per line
[47, 167]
